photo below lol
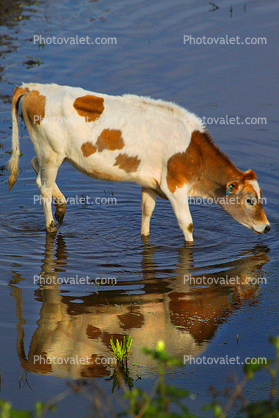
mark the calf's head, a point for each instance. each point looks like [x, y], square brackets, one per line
[244, 203]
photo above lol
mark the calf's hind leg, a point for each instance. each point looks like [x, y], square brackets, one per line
[59, 198]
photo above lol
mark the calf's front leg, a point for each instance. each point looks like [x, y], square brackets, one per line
[148, 200]
[179, 202]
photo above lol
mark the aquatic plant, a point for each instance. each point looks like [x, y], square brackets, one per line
[121, 350]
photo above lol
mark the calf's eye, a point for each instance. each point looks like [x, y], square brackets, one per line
[250, 201]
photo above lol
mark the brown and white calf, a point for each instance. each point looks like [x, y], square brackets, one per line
[156, 144]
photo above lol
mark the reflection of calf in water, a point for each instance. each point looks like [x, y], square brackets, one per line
[167, 309]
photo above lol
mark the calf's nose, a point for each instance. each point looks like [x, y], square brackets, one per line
[267, 228]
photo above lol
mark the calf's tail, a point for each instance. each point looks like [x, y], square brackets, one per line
[14, 160]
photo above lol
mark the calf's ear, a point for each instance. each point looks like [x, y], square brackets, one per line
[250, 175]
[232, 187]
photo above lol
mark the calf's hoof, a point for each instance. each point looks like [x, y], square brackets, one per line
[51, 227]
[59, 213]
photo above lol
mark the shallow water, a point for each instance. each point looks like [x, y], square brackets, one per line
[152, 298]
